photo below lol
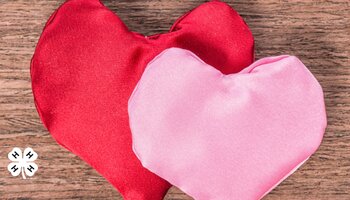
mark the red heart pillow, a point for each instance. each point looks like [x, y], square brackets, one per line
[87, 64]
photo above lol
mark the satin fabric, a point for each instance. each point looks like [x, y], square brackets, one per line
[219, 136]
[87, 64]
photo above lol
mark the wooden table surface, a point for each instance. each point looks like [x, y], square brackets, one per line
[316, 31]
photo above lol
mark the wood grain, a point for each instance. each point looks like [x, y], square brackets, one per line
[316, 31]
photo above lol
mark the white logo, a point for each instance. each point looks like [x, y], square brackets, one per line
[24, 164]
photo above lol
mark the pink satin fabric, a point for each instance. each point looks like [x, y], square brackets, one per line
[220, 137]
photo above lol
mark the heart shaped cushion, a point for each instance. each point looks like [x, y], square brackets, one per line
[221, 136]
[87, 64]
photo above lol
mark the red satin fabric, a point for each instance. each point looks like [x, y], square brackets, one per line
[87, 64]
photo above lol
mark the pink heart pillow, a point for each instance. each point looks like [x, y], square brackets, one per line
[221, 136]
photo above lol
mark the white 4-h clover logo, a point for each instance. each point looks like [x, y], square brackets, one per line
[24, 164]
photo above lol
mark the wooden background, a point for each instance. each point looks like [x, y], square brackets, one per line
[316, 31]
